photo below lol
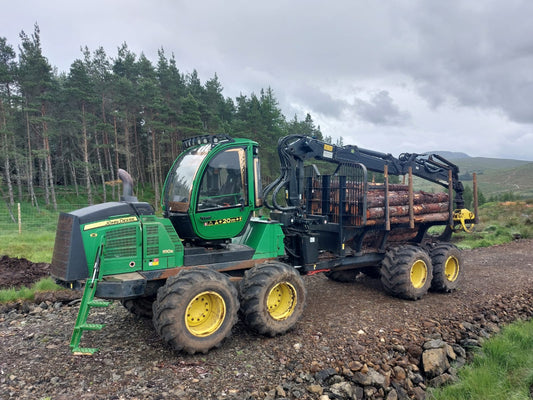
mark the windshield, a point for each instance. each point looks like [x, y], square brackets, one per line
[181, 178]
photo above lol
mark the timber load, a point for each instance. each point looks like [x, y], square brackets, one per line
[378, 205]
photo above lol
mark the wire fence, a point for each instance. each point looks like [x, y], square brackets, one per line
[27, 218]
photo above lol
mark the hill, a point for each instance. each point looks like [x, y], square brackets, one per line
[495, 176]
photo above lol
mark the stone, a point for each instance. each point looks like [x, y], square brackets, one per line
[450, 353]
[315, 389]
[376, 379]
[441, 380]
[434, 344]
[343, 390]
[392, 395]
[435, 362]
[355, 365]
[325, 374]
[399, 373]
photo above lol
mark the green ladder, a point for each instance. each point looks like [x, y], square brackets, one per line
[88, 302]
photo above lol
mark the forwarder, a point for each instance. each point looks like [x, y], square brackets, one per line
[210, 256]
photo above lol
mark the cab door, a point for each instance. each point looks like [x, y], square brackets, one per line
[222, 206]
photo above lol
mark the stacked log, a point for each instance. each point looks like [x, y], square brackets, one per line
[427, 207]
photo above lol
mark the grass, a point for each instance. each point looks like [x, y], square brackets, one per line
[501, 369]
[499, 223]
[24, 293]
[36, 246]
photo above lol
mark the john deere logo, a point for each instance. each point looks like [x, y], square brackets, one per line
[110, 222]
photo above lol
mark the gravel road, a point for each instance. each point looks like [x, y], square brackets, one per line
[347, 330]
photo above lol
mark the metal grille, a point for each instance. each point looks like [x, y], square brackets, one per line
[121, 242]
[152, 240]
[341, 197]
[174, 237]
[62, 245]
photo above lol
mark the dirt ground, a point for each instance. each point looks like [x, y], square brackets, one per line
[344, 327]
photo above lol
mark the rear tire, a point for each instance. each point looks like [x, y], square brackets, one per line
[447, 267]
[406, 272]
[196, 310]
[272, 298]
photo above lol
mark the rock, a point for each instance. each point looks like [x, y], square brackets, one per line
[435, 362]
[355, 365]
[392, 395]
[459, 351]
[399, 373]
[315, 389]
[441, 380]
[325, 374]
[376, 378]
[280, 392]
[450, 353]
[434, 344]
[419, 393]
[361, 379]
[344, 390]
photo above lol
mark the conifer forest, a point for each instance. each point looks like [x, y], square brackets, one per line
[76, 128]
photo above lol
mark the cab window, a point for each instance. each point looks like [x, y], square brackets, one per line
[223, 183]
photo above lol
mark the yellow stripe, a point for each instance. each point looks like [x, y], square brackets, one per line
[110, 222]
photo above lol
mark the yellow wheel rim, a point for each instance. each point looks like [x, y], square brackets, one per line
[419, 274]
[451, 269]
[205, 314]
[281, 301]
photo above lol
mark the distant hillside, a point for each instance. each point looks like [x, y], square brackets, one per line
[484, 164]
[495, 176]
[451, 155]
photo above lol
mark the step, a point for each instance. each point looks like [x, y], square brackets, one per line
[91, 327]
[83, 351]
[98, 303]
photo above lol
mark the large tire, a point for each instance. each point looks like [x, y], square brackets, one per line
[196, 310]
[447, 263]
[406, 272]
[140, 306]
[272, 298]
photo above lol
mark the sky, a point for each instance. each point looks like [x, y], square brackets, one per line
[392, 76]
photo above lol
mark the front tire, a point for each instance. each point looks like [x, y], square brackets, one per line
[447, 267]
[196, 310]
[406, 272]
[272, 298]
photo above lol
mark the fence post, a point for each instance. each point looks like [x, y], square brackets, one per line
[19, 219]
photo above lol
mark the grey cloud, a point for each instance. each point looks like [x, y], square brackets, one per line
[480, 54]
[320, 102]
[380, 110]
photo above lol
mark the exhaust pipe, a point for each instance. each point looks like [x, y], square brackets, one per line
[127, 186]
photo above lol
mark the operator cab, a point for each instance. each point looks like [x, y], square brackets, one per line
[212, 189]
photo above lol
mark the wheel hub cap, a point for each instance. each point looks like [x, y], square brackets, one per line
[419, 274]
[281, 301]
[205, 314]
[451, 269]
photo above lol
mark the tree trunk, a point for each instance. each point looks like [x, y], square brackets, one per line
[30, 165]
[156, 178]
[127, 144]
[86, 156]
[116, 151]
[50, 175]
[102, 177]
[107, 152]
[7, 164]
